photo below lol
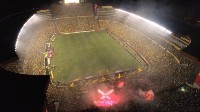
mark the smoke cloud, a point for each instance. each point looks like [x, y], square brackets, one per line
[134, 94]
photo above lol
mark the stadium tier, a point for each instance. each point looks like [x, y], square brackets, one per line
[83, 50]
[71, 10]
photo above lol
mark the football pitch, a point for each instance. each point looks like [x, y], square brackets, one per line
[80, 55]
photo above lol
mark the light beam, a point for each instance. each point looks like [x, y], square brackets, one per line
[148, 21]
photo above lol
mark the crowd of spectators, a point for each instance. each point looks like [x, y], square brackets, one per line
[76, 24]
[12, 65]
[164, 63]
[33, 62]
[162, 72]
[37, 31]
[143, 26]
[31, 44]
[72, 10]
[160, 51]
[29, 30]
[79, 95]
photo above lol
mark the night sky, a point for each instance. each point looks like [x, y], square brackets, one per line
[169, 13]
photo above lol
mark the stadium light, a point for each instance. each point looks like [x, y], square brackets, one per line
[148, 21]
[71, 1]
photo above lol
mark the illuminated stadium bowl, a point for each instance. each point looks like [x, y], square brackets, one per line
[100, 57]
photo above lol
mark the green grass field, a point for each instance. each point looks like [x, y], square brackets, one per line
[86, 54]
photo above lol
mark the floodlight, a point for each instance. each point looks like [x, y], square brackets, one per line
[71, 1]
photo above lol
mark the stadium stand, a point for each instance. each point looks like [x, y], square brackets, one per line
[160, 51]
[157, 54]
[141, 26]
[71, 10]
[76, 24]
[38, 30]
[31, 43]
[12, 65]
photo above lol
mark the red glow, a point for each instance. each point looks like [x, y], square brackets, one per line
[120, 84]
[149, 95]
[105, 103]
[106, 99]
[197, 80]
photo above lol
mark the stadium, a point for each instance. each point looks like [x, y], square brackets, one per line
[101, 58]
